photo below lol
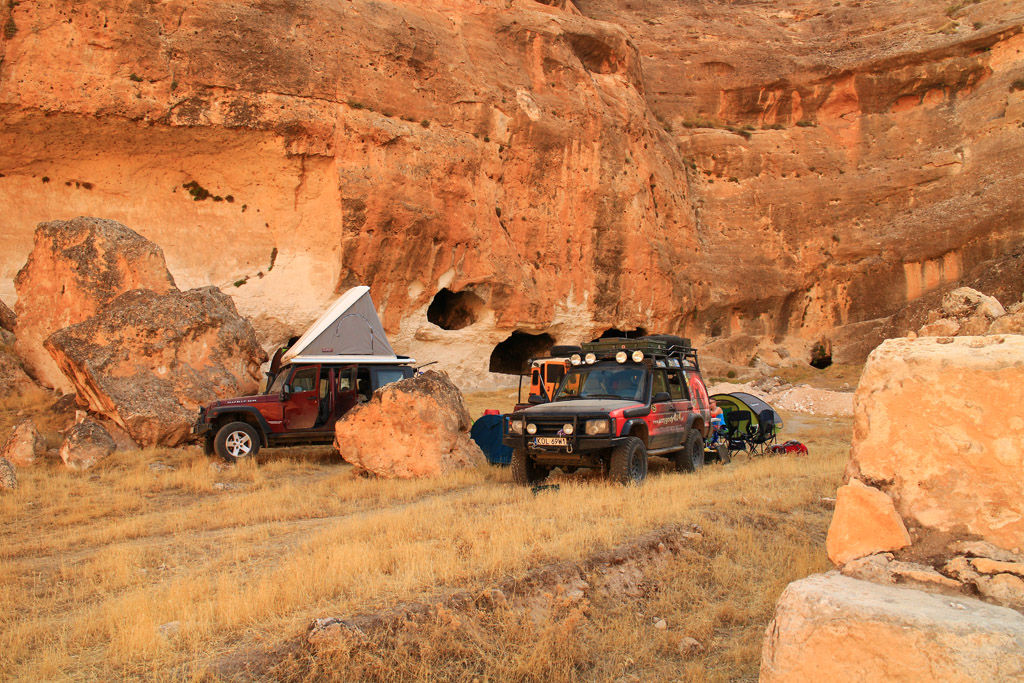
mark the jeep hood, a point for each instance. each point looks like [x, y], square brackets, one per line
[585, 405]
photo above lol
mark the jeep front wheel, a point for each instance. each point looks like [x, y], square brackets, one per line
[629, 461]
[524, 470]
[237, 440]
[691, 458]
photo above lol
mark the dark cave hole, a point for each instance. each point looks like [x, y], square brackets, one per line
[454, 310]
[821, 355]
[616, 333]
[511, 356]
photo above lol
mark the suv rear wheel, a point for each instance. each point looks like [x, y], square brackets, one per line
[629, 462]
[691, 458]
[237, 440]
[524, 469]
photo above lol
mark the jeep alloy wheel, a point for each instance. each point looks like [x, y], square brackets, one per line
[237, 440]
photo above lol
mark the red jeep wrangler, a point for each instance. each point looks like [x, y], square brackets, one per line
[621, 401]
[300, 407]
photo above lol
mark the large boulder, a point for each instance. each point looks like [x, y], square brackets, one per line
[75, 268]
[938, 425]
[86, 444]
[24, 445]
[417, 427]
[865, 522]
[831, 627]
[148, 361]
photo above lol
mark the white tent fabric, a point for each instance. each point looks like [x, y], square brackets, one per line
[349, 329]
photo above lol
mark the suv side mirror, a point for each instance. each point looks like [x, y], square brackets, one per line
[660, 397]
[286, 391]
[535, 399]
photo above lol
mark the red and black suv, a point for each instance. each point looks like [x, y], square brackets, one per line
[300, 407]
[621, 401]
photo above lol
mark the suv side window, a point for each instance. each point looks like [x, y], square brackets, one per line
[659, 384]
[676, 387]
[388, 375]
[344, 379]
[304, 379]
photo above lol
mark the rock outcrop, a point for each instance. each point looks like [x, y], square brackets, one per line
[416, 427]
[774, 172]
[74, 269]
[24, 445]
[12, 372]
[968, 312]
[938, 423]
[149, 360]
[830, 627]
[86, 444]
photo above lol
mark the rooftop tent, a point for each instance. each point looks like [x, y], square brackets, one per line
[349, 328]
[740, 400]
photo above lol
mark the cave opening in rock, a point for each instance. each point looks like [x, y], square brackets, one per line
[511, 356]
[454, 310]
[821, 355]
[616, 333]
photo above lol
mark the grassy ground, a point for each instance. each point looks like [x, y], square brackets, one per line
[137, 569]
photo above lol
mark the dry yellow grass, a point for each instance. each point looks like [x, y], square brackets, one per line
[92, 564]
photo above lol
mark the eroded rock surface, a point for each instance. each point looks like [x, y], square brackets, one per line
[417, 427]
[74, 269]
[86, 444]
[12, 372]
[24, 445]
[831, 627]
[148, 361]
[937, 421]
[7, 318]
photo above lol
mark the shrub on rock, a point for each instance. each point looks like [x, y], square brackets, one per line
[417, 427]
[75, 268]
[148, 361]
[24, 445]
[86, 444]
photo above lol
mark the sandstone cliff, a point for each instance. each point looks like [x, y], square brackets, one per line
[786, 171]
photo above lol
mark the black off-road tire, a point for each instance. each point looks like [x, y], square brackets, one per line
[237, 440]
[691, 458]
[524, 470]
[723, 453]
[628, 463]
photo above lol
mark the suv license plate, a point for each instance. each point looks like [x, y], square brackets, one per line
[550, 441]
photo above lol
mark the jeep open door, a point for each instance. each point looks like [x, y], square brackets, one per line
[302, 405]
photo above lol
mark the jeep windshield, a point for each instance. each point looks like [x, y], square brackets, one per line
[603, 381]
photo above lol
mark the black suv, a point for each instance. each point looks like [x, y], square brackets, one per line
[620, 401]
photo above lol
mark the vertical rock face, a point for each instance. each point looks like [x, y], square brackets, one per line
[75, 268]
[417, 427]
[7, 317]
[939, 421]
[830, 627]
[148, 361]
[774, 171]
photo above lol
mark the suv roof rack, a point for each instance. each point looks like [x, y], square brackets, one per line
[663, 349]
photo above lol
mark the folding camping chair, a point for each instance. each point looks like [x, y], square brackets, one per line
[765, 436]
[738, 429]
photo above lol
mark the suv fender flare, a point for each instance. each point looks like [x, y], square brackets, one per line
[251, 415]
[628, 427]
[689, 425]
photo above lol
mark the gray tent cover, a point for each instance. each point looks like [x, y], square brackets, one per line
[349, 328]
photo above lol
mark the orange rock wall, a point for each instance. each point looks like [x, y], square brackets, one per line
[570, 165]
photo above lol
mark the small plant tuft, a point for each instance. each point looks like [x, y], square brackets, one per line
[425, 123]
[1017, 85]
[135, 77]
